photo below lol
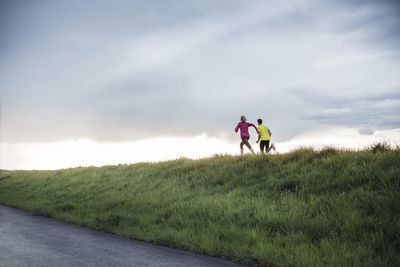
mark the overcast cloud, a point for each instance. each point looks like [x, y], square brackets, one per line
[124, 70]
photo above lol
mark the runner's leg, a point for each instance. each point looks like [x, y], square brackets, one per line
[246, 142]
[268, 148]
[262, 147]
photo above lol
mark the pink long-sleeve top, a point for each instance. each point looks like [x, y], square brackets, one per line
[244, 128]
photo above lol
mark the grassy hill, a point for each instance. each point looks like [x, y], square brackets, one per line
[305, 208]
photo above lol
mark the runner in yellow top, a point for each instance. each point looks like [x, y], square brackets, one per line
[265, 136]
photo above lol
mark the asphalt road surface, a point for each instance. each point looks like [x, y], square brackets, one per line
[28, 240]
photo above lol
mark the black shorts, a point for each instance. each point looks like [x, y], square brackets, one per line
[264, 143]
[245, 138]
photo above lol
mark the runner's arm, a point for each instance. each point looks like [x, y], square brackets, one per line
[270, 134]
[259, 134]
[237, 127]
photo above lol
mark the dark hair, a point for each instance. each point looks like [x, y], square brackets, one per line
[259, 121]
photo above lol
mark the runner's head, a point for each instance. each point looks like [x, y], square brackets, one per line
[259, 121]
[243, 119]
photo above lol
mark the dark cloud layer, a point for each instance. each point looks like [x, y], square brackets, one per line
[366, 112]
[133, 69]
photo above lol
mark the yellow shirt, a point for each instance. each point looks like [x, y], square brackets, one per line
[264, 132]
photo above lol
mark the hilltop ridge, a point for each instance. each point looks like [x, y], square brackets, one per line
[305, 208]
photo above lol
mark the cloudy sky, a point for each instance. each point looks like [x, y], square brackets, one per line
[161, 79]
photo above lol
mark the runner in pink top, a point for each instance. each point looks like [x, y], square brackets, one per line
[244, 133]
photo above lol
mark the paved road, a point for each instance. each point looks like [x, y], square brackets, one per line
[27, 240]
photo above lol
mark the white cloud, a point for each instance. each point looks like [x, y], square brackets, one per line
[160, 68]
[85, 152]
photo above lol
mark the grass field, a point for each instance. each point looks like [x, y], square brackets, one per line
[305, 208]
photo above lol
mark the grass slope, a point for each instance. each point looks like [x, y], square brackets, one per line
[305, 208]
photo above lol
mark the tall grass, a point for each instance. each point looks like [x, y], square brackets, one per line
[305, 208]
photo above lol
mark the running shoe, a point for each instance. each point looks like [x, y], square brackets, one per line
[273, 147]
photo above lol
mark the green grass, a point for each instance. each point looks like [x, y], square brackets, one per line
[305, 208]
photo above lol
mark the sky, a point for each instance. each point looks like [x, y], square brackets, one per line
[107, 82]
